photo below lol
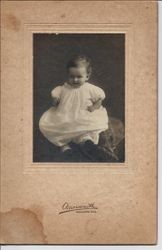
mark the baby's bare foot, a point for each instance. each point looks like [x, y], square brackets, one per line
[65, 148]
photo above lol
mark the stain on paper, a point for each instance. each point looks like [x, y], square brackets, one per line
[12, 22]
[22, 226]
[63, 16]
[91, 226]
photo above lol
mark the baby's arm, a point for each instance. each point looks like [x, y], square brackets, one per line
[55, 101]
[96, 105]
[55, 94]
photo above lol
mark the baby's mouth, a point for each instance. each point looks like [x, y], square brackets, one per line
[76, 85]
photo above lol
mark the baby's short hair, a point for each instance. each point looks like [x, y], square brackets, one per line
[80, 60]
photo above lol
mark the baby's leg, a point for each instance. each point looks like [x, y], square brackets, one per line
[90, 136]
[65, 148]
[63, 144]
[50, 131]
[88, 144]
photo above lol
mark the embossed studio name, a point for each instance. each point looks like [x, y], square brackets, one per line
[79, 208]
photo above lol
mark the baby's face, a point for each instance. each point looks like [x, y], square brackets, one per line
[77, 76]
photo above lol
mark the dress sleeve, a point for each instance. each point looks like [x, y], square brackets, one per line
[97, 93]
[56, 92]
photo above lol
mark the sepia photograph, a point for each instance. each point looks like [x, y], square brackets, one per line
[79, 97]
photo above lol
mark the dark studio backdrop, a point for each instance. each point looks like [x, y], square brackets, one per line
[50, 55]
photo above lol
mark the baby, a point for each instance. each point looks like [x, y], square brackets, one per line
[77, 114]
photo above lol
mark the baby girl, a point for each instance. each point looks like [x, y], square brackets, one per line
[77, 114]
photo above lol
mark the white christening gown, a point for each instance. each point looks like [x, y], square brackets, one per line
[70, 120]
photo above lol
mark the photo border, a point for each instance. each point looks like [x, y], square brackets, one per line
[27, 110]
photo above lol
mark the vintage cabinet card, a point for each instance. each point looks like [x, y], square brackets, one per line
[79, 122]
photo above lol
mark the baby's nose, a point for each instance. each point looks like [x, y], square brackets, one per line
[75, 80]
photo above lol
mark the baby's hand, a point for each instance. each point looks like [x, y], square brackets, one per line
[55, 101]
[91, 108]
[95, 105]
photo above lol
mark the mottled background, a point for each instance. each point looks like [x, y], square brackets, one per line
[51, 53]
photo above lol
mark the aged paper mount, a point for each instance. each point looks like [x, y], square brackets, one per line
[121, 198]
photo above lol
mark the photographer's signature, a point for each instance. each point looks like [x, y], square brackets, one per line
[79, 208]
